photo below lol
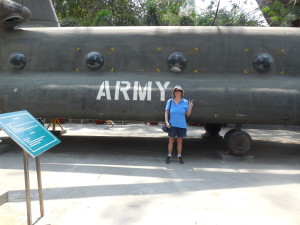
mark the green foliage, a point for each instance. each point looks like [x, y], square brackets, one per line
[143, 12]
[69, 22]
[161, 13]
[152, 17]
[80, 10]
[89, 12]
[279, 14]
[235, 16]
[186, 21]
[103, 18]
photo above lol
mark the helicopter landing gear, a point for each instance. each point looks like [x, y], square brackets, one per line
[238, 141]
[212, 130]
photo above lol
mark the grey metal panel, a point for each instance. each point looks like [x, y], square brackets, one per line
[217, 99]
[209, 50]
[220, 77]
[43, 14]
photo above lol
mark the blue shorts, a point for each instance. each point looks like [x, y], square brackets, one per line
[177, 132]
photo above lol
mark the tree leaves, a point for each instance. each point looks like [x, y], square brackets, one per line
[280, 14]
[144, 13]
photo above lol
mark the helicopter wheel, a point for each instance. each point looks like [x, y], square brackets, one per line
[239, 142]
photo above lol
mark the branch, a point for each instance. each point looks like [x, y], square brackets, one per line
[216, 14]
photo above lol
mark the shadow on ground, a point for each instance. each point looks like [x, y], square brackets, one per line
[144, 157]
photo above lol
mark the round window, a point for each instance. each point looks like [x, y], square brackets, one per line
[263, 62]
[94, 61]
[177, 61]
[17, 61]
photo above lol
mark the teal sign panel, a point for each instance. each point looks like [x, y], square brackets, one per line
[27, 132]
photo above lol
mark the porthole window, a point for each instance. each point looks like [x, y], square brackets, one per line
[263, 62]
[17, 61]
[94, 61]
[177, 62]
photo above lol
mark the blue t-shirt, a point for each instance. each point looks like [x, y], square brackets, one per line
[177, 114]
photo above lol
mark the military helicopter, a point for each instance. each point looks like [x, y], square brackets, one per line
[235, 75]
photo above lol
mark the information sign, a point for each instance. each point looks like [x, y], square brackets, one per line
[27, 132]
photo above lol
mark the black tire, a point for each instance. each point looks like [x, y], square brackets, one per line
[213, 129]
[228, 134]
[239, 142]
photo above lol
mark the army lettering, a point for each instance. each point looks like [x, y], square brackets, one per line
[140, 92]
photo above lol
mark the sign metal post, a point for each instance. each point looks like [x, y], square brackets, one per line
[39, 179]
[27, 188]
[34, 139]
